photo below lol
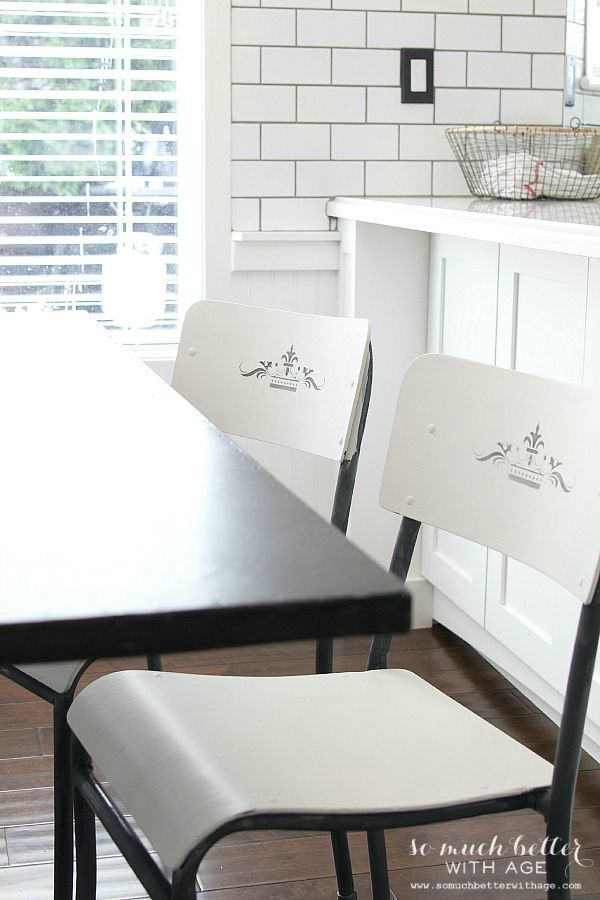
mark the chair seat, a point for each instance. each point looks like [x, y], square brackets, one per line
[189, 753]
[59, 675]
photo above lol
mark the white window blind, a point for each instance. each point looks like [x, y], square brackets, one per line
[591, 79]
[89, 161]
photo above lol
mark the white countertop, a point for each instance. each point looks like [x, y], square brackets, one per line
[564, 226]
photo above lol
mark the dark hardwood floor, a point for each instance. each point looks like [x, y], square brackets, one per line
[293, 866]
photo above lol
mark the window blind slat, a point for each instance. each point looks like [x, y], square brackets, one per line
[18, 115]
[82, 53]
[77, 96]
[44, 219]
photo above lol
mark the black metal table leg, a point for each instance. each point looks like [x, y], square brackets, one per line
[63, 801]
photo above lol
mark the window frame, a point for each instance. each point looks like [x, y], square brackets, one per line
[590, 80]
[216, 41]
[215, 105]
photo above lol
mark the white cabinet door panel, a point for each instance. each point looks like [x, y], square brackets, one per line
[591, 368]
[462, 322]
[542, 303]
[591, 379]
[532, 616]
[462, 298]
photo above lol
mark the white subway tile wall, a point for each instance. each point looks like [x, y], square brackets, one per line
[245, 141]
[296, 141]
[449, 180]
[548, 71]
[450, 69]
[509, 70]
[530, 34]
[320, 178]
[245, 214]
[470, 32]
[364, 141]
[400, 30]
[262, 179]
[540, 107]
[316, 96]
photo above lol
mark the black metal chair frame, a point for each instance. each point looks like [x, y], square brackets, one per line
[63, 798]
[340, 516]
[556, 803]
[342, 502]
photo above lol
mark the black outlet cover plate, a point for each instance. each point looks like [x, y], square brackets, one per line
[407, 55]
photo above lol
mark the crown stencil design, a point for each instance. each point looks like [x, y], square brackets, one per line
[527, 463]
[285, 375]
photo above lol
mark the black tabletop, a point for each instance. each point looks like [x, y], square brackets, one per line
[130, 524]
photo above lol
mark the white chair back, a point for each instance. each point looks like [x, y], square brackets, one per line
[282, 377]
[509, 460]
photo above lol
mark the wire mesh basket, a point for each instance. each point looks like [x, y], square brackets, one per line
[529, 162]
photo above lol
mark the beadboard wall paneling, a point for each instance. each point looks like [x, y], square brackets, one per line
[317, 104]
[308, 292]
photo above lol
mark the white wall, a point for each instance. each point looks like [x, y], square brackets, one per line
[316, 96]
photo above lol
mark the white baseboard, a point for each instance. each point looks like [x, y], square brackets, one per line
[422, 602]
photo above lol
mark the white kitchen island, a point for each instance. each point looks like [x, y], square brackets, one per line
[511, 283]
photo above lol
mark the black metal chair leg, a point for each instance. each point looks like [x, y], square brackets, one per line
[339, 839]
[184, 884]
[557, 874]
[343, 866]
[324, 656]
[380, 879]
[85, 833]
[63, 801]
[154, 662]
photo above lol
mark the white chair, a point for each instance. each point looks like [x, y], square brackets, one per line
[195, 758]
[299, 381]
[296, 380]
[311, 393]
